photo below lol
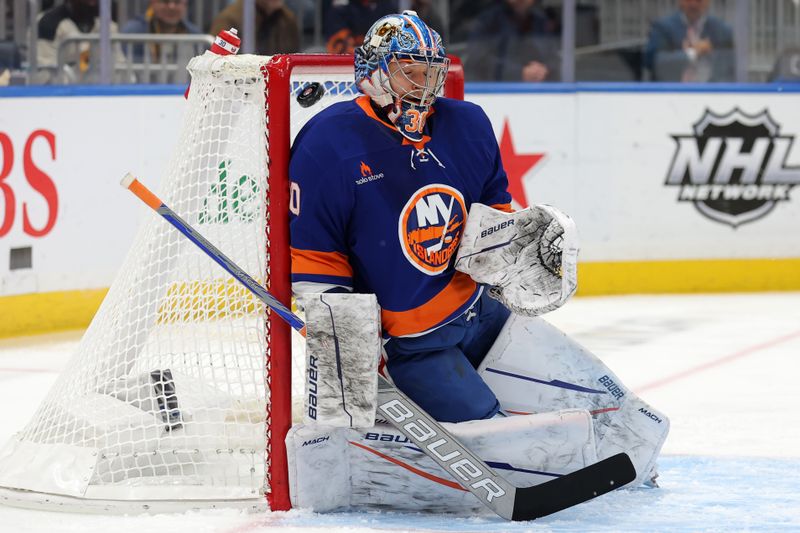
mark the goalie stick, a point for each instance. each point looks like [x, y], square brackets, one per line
[474, 475]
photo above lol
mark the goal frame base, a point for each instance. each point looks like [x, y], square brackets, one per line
[40, 501]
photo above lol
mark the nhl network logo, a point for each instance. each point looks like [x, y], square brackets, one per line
[733, 167]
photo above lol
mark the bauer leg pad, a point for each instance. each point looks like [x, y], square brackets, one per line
[534, 367]
[339, 468]
[343, 347]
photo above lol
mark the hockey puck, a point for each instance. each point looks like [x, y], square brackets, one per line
[310, 94]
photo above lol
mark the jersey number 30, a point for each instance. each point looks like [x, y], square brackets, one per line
[417, 121]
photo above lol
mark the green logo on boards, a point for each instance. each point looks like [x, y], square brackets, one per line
[230, 199]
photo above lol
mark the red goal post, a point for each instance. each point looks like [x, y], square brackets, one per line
[281, 67]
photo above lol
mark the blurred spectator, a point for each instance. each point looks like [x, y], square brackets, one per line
[8, 19]
[787, 67]
[305, 11]
[511, 42]
[348, 20]
[690, 46]
[202, 12]
[10, 57]
[429, 15]
[463, 14]
[276, 27]
[69, 19]
[162, 17]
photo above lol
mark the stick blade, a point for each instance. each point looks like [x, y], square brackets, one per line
[579, 486]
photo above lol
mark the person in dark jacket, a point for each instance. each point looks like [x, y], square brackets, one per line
[64, 21]
[690, 46]
[163, 17]
[511, 42]
[346, 22]
[277, 31]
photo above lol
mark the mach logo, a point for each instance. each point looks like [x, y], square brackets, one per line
[430, 227]
[367, 175]
[733, 167]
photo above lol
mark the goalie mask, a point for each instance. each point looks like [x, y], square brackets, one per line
[402, 67]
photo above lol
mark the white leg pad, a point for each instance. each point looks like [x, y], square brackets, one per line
[534, 367]
[340, 468]
[319, 471]
[343, 347]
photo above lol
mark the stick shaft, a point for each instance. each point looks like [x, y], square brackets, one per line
[144, 194]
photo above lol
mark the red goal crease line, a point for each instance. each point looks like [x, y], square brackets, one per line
[718, 362]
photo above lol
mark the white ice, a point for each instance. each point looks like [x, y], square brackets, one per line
[724, 368]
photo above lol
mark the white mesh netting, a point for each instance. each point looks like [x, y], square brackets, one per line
[166, 396]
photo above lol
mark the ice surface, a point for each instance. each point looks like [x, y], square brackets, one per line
[723, 367]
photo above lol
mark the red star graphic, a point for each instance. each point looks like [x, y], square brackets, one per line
[516, 165]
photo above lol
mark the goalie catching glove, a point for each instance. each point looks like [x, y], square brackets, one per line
[529, 257]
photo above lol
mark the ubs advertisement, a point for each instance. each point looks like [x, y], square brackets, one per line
[65, 223]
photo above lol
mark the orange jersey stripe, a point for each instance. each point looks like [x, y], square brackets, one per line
[503, 207]
[363, 103]
[325, 263]
[457, 293]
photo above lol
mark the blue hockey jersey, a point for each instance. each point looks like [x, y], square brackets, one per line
[376, 213]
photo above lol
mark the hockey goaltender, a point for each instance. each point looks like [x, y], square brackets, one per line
[389, 268]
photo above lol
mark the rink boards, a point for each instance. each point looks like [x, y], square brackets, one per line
[673, 188]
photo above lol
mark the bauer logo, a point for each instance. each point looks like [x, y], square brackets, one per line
[311, 388]
[386, 437]
[430, 227]
[733, 167]
[441, 449]
[612, 387]
[496, 228]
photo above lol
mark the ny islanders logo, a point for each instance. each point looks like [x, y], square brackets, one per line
[734, 168]
[430, 227]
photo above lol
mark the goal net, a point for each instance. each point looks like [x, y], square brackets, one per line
[180, 392]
